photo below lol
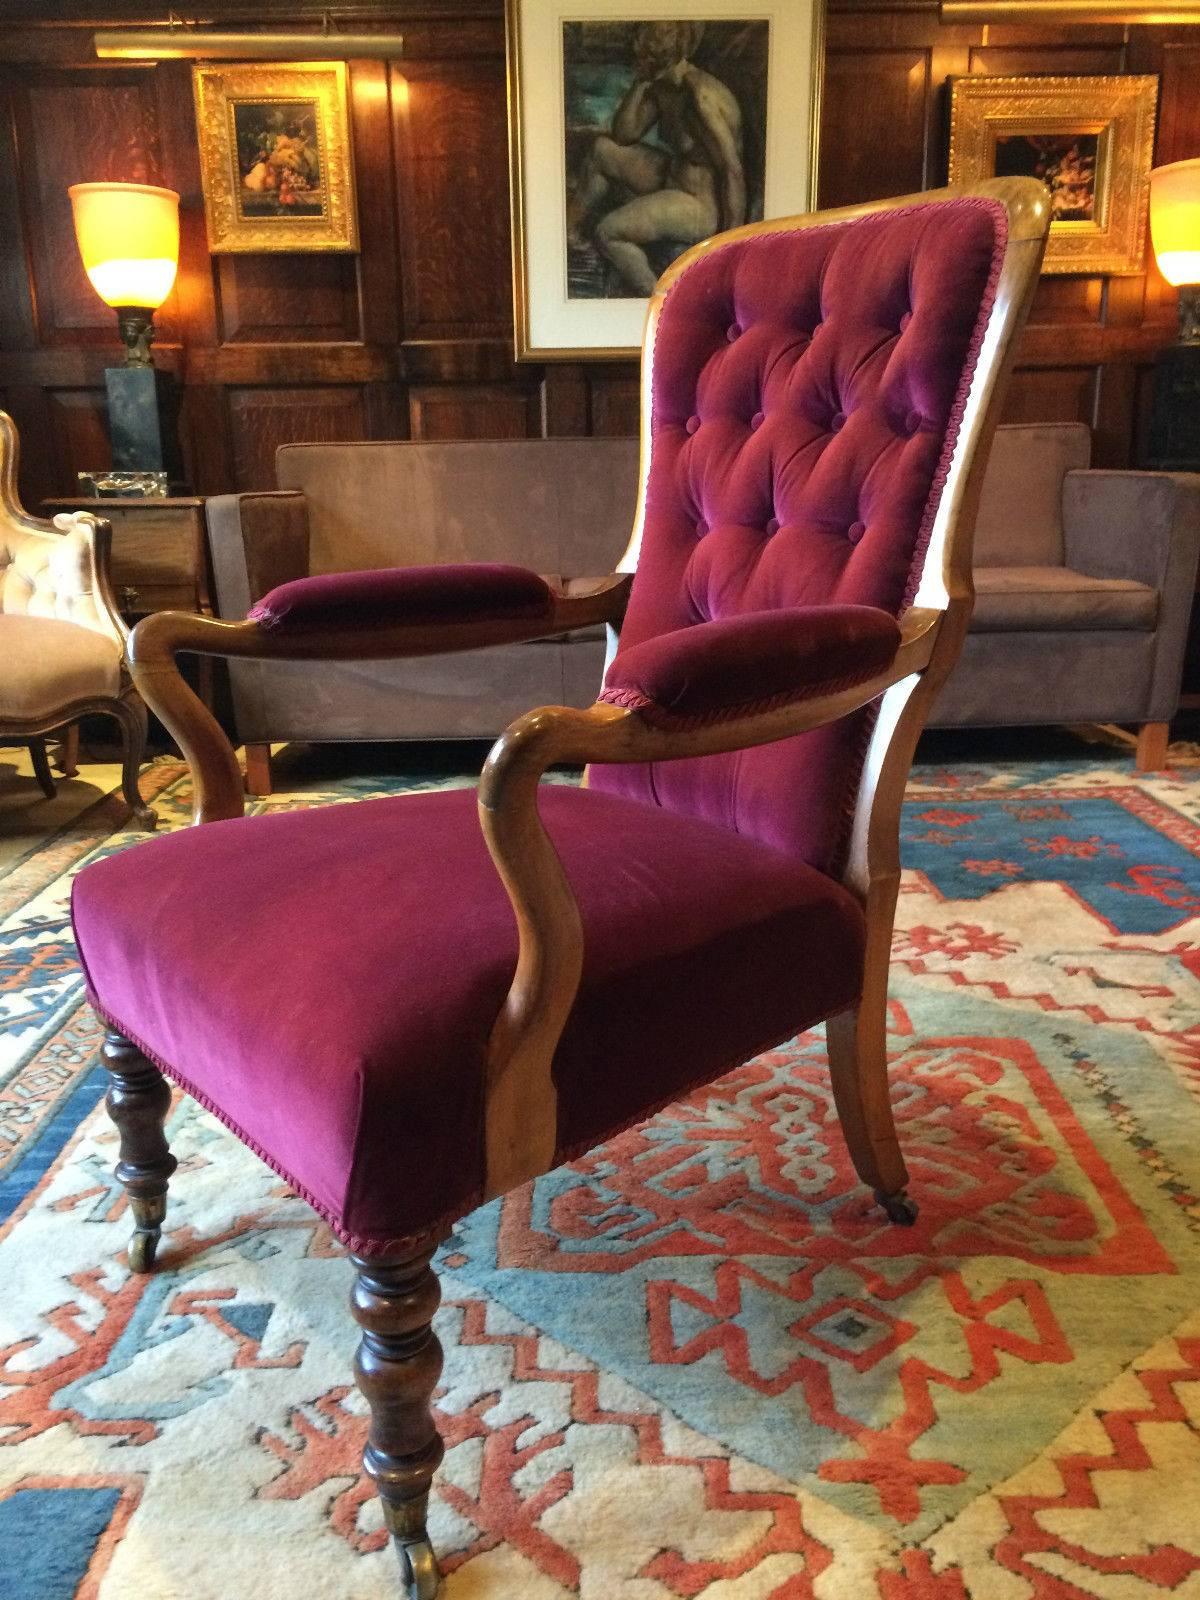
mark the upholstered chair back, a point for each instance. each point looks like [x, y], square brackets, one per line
[43, 573]
[805, 389]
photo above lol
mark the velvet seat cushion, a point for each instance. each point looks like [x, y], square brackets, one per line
[326, 980]
[49, 664]
[470, 592]
[1019, 599]
[750, 662]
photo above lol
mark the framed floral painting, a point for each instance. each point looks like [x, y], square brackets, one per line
[275, 156]
[637, 130]
[1090, 141]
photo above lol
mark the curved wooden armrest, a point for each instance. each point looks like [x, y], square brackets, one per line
[520, 1114]
[158, 639]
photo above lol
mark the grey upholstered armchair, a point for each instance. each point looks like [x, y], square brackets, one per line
[62, 640]
[1084, 584]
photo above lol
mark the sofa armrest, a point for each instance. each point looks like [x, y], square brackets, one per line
[1146, 526]
[749, 663]
[257, 542]
[1131, 524]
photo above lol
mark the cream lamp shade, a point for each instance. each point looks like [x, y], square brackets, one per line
[128, 237]
[1175, 221]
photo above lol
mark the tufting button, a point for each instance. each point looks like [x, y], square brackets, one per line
[701, 528]
[692, 424]
[817, 326]
[905, 320]
[756, 421]
[855, 531]
[773, 525]
[837, 422]
[732, 332]
[912, 422]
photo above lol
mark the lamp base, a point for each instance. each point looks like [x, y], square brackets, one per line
[1174, 441]
[143, 406]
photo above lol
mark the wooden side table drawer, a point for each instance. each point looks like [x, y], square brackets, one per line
[159, 554]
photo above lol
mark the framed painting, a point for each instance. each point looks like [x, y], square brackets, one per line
[638, 128]
[276, 160]
[1090, 141]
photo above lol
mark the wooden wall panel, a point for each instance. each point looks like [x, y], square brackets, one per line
[78, 431]
[288, 299]
[875, 111]
[73, 128]
[452, 171]
[451, 411]
[263, 419]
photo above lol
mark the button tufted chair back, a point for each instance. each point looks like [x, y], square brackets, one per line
[805, 387]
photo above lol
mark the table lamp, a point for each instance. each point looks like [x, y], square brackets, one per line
[128, 237]
[1175, 233]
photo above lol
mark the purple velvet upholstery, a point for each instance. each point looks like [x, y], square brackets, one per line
[326, 980]
[471, 592]
[807, 390]
[750, 661]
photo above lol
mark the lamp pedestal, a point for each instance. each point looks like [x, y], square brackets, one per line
[143, 407]
[1174, 442]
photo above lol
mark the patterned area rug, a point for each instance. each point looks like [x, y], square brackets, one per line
[696, 1363]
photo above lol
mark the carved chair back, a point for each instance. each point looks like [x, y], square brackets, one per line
[45, 570]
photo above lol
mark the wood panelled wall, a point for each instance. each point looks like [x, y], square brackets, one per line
[413, 337]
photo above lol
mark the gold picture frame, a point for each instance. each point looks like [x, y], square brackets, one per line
[559, 313]
[276, 157]
[1090, 139]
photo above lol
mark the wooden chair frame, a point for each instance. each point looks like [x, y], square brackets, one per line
[395, 1298]
[126, 706]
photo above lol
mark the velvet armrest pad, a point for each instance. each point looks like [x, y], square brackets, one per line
[393, 596]
[735, 667]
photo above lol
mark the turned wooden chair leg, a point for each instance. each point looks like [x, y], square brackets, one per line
[398, 1365]
[41, 767]
[1152, 741]
[130, 712]
[68, 751]
[138, 1100]
[857, 1043]
[258, 769]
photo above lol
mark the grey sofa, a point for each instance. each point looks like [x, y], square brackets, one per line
[561, 506]
[1084, 584]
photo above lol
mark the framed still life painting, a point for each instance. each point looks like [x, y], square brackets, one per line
[637, 128]
[1090, 141]
[275, 156]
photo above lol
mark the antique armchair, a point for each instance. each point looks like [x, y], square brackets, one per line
[818, 398]
[62, 638]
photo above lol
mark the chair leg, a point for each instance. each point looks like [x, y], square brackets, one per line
[138, 1100]
[398, 1365]
[41, 767]
[68, 751]
[1152, 741]
[131, 714]
[258, 769]
[857, 1044]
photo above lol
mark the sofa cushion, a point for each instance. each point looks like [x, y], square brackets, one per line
[477, 591]
[332, 986]
[49, 664]
[1025, 599]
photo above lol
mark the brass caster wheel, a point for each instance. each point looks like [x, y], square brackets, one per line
[418, 1569]
[900, 1209]
[142, 1249]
